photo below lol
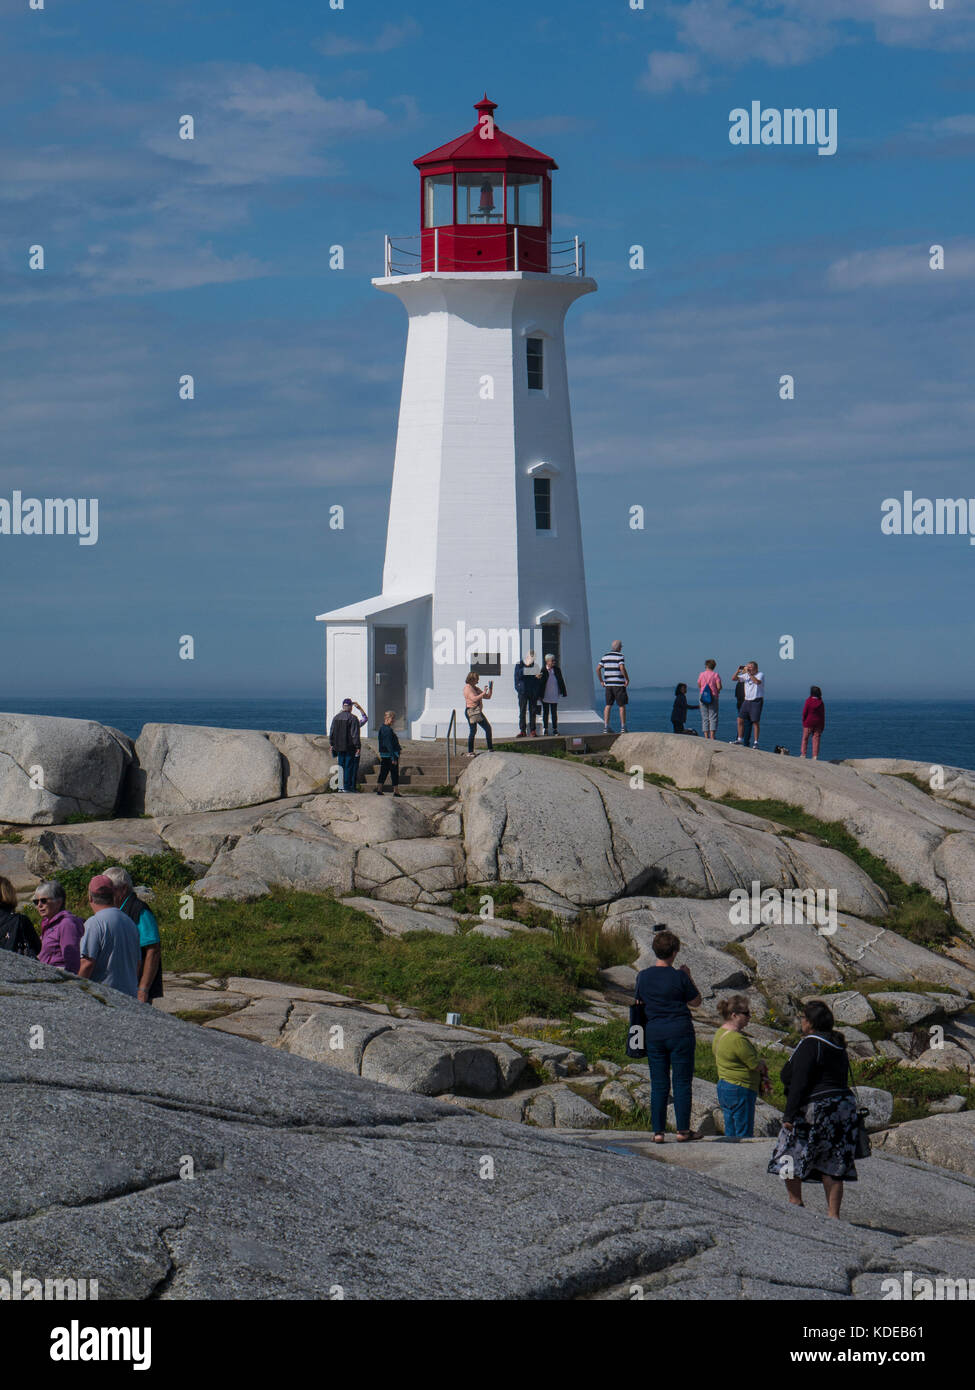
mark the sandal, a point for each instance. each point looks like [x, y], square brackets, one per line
[658, 1138]
[685, 1136]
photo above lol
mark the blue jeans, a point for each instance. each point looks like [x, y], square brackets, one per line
[673, 1056]
[347, 762]
[738, 1104]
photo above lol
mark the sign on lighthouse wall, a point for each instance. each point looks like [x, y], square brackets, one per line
[484, 546]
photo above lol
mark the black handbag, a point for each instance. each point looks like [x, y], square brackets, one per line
[636, 1037]
[862, 1147]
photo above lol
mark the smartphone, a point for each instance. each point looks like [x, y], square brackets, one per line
[491, 686]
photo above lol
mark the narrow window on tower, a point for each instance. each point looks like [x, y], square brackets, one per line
[543, 504]
[552, 641]
[534, 348]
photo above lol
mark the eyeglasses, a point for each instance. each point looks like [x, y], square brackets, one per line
[38, 901]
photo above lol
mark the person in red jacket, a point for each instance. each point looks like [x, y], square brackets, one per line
[813, 720]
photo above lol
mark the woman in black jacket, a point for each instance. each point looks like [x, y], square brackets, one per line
[678, 715]
[819, 1128]
[551, 689]
[17, 933]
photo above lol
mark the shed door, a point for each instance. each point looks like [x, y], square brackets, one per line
[389, 667]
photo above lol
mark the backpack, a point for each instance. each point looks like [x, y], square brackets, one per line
[707, 698]
[18, 935]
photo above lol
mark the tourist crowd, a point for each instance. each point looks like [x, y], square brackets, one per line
[118, 945]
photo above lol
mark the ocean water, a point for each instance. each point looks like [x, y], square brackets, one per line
[936, 731]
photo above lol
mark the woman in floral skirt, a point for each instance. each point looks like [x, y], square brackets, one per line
[818, 1138]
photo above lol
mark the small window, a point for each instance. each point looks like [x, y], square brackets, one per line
[524, 200]
[552, 641]
[438, 200]
[534, 349]
[543, 504]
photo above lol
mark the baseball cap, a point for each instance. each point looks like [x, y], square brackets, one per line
[101, 882]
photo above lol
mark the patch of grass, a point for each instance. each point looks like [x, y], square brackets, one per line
[202, 1016]
[914, 914]
[914, 1086]
[11, 837]
[318, 942]
[468, 899]
[584, 938]
[899, 986]
[83, 818]
[914, 781]
[736, 949]
[157, 871]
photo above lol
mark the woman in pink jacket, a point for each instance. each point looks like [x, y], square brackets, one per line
[813, 720]
[61, 931]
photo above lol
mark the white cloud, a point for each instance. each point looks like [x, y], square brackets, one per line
[787, 33]
[390, 36]
[253, 125]
[666, 71]
[902, 265]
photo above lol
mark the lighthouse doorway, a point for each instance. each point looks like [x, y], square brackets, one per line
[389, 667]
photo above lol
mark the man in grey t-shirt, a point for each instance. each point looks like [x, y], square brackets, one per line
[110, 950]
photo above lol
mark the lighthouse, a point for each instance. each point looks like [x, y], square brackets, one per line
[484, 544]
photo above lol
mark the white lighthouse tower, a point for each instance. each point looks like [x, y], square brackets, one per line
[484, 546]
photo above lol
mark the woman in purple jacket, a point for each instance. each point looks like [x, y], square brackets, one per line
[61, 931]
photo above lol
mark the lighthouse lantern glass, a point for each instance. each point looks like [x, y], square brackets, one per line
[524, 200]
[480, 198]
[438, 200]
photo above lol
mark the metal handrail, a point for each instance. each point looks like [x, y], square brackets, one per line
[451, 726]
[564, 257]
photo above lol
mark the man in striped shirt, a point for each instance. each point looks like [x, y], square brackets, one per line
[613, 677]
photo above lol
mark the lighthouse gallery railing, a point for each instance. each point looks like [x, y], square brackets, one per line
[564, 257]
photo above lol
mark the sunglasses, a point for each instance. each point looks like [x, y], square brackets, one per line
[38, 901]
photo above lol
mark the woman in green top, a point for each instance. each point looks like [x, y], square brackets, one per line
[740, 1069]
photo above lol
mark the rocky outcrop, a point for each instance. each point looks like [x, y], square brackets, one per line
[71, 847]
[121, 1096]
[911, 830]
[182, 768]
[948, 1141]
[601, 839]
[785, 965]
[51, 769]
[307, 761]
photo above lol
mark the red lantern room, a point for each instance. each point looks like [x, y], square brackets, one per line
[485, 201]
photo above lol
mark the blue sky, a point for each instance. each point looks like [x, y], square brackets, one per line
[211, 257]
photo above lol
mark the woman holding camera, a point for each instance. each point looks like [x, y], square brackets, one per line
[474, 698]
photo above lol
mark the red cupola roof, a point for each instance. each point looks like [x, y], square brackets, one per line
[485, 201]
[476, 147]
